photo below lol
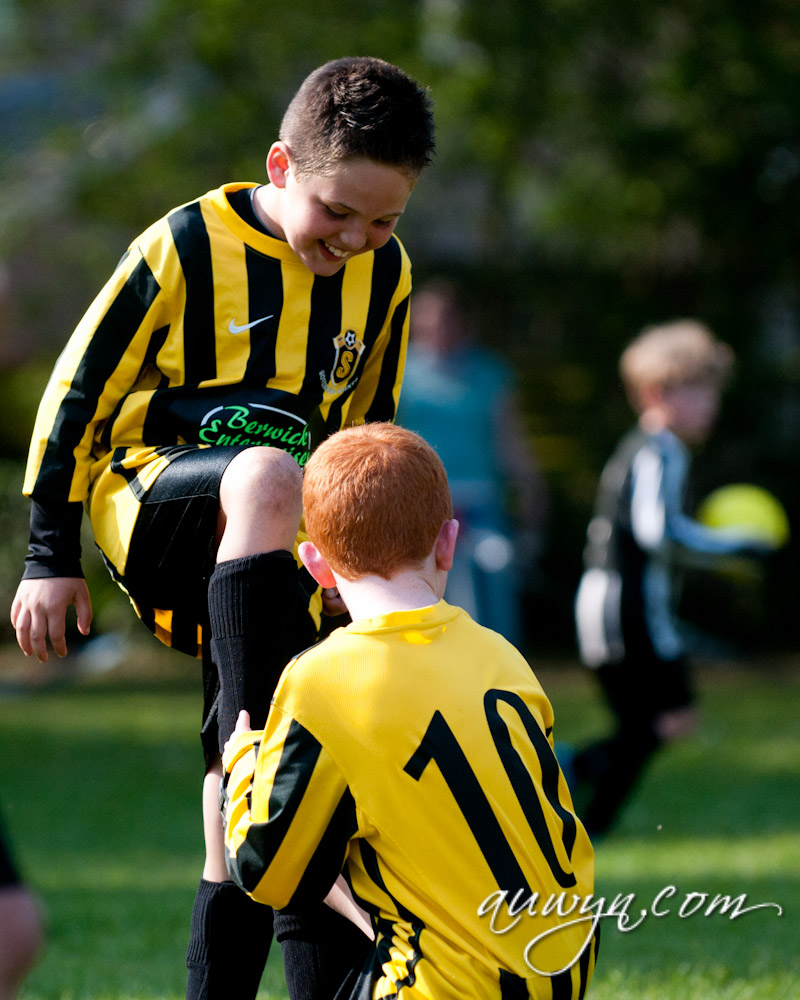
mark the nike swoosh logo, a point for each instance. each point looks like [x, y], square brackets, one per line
[234, 327]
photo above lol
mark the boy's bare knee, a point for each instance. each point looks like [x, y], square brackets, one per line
[261, 503]
[265, 479]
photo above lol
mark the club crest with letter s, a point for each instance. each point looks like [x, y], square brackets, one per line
[349, 348]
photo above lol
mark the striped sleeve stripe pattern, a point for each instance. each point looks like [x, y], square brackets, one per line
[301, 752]
[101, 359]
[384, 404]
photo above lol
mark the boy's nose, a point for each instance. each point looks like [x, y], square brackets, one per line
[353, 238]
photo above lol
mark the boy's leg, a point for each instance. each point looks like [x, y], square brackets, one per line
[253, 610]
[610, 770]
[637, 693]
[325, 956]
[230, 933]
[20, 937]
[252, 594]
[184, 518]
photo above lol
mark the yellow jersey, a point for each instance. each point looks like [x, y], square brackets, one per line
[415, 750]
[210, 332]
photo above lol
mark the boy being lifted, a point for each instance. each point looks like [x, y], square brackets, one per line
[257, 315]
[413, 749]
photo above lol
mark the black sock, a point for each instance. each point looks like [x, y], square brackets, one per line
[324, 954]
[253, 607]
[228, 945]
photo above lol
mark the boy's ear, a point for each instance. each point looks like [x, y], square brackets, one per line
[278, 162]
[316, 564]
[446, 544]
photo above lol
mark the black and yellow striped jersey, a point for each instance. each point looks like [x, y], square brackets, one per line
[210, 332]
[416, 750]
[637, 544]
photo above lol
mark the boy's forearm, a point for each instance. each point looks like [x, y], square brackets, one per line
[288, 814]
[247, 856]
[55, 540]
[340, 899]
[238, 763]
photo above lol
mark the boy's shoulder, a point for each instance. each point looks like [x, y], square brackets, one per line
[171, 219]
[188, 223]
[634, 448]
[432, 650]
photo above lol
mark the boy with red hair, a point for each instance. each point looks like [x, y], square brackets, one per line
[411, 752]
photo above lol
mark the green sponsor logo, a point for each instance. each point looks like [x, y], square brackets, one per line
[256, 424]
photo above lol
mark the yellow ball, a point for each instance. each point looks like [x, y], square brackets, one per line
[746, 511]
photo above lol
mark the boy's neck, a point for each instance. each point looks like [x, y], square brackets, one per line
[370, 596]
[265, 206]
[653, 420]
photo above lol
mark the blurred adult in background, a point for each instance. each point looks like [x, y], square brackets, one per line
[462, 398]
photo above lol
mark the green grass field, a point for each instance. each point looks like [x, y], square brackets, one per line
[100, 785]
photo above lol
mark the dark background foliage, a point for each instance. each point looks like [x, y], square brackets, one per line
[601, 166]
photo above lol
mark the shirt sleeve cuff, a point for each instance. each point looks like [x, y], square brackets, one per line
[55, 541]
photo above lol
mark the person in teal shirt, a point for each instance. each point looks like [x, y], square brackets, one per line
[462, 398]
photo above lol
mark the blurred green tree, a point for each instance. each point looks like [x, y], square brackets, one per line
[599, 167]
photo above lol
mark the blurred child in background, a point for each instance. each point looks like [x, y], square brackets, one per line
[625, 610]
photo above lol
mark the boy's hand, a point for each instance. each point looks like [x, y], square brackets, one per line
[332, 603]
[40, 609]
[676, 724]
[243, 723]
[242, 726]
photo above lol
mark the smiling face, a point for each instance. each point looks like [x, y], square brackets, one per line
[327, 219]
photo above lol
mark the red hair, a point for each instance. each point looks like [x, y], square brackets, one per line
[374, 498]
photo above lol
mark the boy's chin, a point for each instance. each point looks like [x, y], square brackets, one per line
[323, 265]
[326, 270]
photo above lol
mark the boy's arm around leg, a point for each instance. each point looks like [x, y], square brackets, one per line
[288, 813]
[340, 899]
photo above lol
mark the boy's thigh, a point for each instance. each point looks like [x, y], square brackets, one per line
[173, 546]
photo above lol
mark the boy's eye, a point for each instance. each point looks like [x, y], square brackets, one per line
[334, 214]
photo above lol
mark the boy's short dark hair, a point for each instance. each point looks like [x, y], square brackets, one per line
[359, 106]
